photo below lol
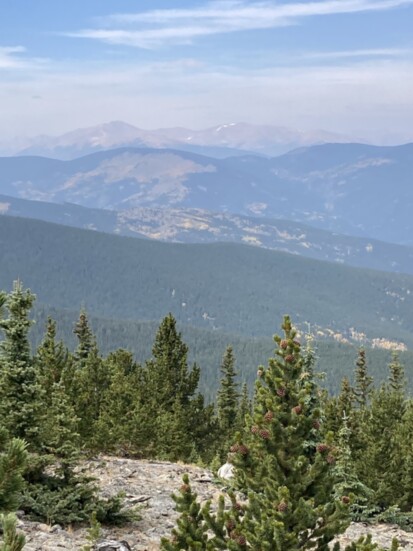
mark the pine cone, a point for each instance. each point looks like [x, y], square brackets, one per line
[283, 344]
[230, 525]
[322, 448]
[269, 416]
[345, 500]
[241, 540]
[316, 424]
[297, 410]
[281, 391]
[264, 434]
[234, 448]
[289, 359]
[242, 449]
[255, 429]
[282, 506]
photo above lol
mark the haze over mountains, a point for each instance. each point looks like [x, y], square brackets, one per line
[220, 141]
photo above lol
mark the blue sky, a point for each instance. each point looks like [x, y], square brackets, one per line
[340, 65]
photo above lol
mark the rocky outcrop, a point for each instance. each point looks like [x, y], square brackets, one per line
[149, 485]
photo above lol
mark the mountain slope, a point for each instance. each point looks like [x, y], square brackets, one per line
[226, 287]
[353, 189]
[202, 226]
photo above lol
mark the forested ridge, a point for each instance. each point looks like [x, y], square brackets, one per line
[226, 287]
[301, 453]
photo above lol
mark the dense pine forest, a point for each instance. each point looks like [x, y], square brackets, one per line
[300, 452]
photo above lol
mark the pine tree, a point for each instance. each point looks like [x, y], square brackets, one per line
[283, 465]
[19, 407]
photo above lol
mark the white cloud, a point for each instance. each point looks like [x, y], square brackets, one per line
[155, 28]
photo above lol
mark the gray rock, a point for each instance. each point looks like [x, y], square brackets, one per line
[113, 546]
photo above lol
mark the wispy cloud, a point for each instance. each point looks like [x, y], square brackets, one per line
[13, 57]
[155, 28]
[358, 54]
[8, 57]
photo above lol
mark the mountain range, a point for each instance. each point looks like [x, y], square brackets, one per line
[351, 189]
[219, 141]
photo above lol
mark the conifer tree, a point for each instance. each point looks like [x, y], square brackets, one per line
[363, 382]
[228, 395]
[58, 421]
[397, 380]
[85, 337]
[244, 408]
[19, 407]
[13, 459]
[282, 465]
[176, 416]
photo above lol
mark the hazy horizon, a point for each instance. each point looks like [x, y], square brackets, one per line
[341, 66]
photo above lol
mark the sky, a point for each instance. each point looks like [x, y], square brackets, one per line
[340, 65]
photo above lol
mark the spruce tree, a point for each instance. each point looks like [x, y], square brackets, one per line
[175, 414]
[228, 395]
[363, 386]
[19, 406]
[58, 421]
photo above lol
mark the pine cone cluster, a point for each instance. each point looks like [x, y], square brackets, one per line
[269, 416]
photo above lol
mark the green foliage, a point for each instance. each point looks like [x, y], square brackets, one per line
[19, 407]
[282, 465]
[13, 457]
[12, 540]
[56, 493]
